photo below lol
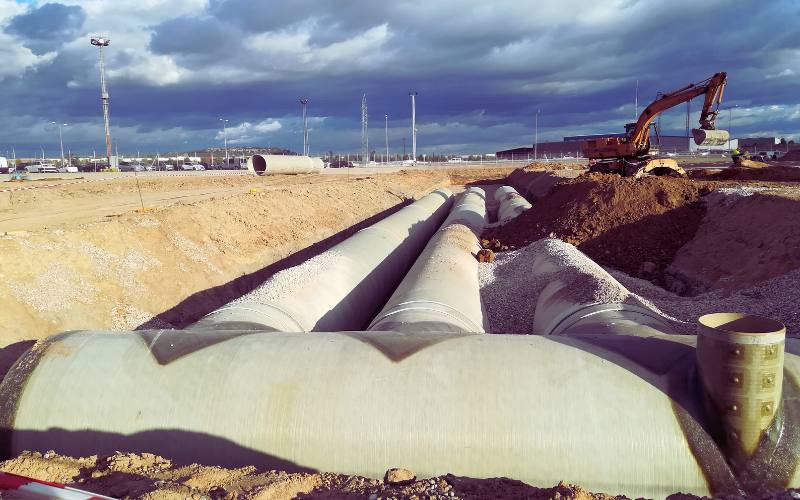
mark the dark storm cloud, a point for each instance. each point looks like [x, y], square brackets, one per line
[46, 28]
[482, 69]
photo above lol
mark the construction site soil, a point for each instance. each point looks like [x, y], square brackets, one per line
[146, 476]
[718, 240]
[619, 222]
[85, 256]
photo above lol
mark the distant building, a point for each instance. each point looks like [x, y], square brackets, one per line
[756, 144]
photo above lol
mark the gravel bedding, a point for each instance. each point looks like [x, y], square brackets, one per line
[509, 292]
[291, 282]
[776, 298]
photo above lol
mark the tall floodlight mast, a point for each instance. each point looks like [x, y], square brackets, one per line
[364, 131]
[413, 125]
[386, 135]
[101, 42]
[304, 103]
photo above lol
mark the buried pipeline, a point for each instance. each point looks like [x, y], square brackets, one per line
[604, 395]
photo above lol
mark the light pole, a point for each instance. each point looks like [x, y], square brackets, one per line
[413, 95]
[304, 102]
[101, 42]
[60, 140]
[729, 125]
[536, 135]
[386, 134]
[225, 138]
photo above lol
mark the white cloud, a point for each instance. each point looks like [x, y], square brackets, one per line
[247, 132]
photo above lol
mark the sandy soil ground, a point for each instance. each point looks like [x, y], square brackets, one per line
[151, 477]
[82, 256]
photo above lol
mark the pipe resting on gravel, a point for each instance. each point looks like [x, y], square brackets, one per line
[512, 204]
[441, 292]
[582, 298]
[341, 288]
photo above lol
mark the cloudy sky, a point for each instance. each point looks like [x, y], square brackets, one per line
[482, 69]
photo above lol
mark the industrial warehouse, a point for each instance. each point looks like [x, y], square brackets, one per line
[310, 269]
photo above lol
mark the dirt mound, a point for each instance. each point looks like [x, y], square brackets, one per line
[635, 225]
[772, 173]
[554, 165]
[149, 476]
[747, 236]
[793, 155]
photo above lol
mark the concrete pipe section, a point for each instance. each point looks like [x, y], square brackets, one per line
[581, 297]
[512, 204]
[620, 414]
[441, 292]
[342, 288]
[284, 164]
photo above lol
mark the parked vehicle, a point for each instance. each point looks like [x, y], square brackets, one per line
[68, 169]
[4, 168]
[192, 166]
[42, 167]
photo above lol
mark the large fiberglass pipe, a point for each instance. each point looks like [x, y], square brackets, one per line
[342, 288]
[614, 413]
[512, 204]
[441, 292]
[284, 164]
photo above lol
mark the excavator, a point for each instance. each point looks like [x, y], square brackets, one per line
[629, 155]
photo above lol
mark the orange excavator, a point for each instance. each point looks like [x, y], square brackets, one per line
[629, 155]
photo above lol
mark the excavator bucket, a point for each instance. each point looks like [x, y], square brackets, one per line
[710, 137]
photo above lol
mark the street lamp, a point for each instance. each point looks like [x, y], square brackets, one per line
[729, 125]
[225, 135]
[536, 136]
[60, 139]
[101, 42]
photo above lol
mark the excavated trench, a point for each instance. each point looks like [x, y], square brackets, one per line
[689, 245]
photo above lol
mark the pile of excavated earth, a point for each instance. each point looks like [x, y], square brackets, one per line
[720, 240]
[687, 247]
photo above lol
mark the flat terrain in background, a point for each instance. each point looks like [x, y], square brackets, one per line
[84, 255]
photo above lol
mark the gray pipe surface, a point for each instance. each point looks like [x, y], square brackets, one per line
[441, 292]
[512, 204]
[284, 164]
[581, 297]
[616, 414]
[341, 288]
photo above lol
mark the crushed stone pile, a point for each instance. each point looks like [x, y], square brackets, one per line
[510, 292]
[636, 225]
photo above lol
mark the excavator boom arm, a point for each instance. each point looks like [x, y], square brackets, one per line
[712, 88]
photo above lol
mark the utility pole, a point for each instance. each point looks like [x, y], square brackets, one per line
[413, 95]
[225, 138]
[101, 42]
[386, 134]
[364, 131]
[536, 135]
[304, 104]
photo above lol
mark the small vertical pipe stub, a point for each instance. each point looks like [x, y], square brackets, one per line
[740, 363]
